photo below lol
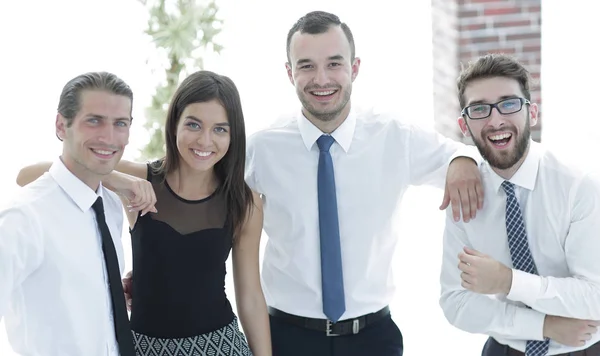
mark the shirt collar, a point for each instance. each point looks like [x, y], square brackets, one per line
[74, 187]
[342, 135]
[526, 175]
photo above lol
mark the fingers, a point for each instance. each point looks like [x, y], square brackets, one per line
[473, 252]
[467, 258]
[143, 199]
[127, 282]
[480, 194]
[473, 202]
[445, 200]
[455, 202]
[467, 281]
[128, 301]
[465, 203]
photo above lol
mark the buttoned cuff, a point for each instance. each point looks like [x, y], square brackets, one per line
[525, 287]
[529, 324]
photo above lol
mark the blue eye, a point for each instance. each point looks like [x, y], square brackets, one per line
[479, 108]
[220, 129]
[122, 123]
[193, 125]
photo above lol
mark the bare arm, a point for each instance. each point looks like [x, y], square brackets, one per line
[251, 304]
[128, 180]
[30, 173]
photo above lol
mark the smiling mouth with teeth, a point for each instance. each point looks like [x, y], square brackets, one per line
[103, 152]
[500, 139]
[202, 153]
[323, 93]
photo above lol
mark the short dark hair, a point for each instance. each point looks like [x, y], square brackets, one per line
[493, 65]
[69, 103]
[318, 22]
[203, 86]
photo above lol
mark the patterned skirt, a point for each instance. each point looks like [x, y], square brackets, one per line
[227, 341]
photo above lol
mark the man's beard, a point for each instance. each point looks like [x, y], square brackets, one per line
[503, 159]
[325, 115]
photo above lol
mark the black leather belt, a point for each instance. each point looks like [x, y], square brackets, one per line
[344, 327]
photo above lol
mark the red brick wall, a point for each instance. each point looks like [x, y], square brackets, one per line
[466, 29]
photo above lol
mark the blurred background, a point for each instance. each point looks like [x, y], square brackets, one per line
[411, 54]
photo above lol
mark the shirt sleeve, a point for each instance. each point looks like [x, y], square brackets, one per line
[478, 313]
[21, 251]
[250, 169]
[577, 296]
[431, 153]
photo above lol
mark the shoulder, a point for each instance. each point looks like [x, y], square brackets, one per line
[574, 181]
[34, 196]
[558, 168]
[273, 139]
[276, 132]
[30, 202]
[374, 120]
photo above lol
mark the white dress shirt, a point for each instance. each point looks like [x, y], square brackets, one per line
[561, 209]
[375, 159]
[54, 290]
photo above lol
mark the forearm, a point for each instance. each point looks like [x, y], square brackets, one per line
[109, 180]
[254, 318]
[480, 314]
[570, 297]
[30, 173]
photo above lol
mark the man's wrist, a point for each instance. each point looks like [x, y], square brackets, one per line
[547, 332]
[508, 276]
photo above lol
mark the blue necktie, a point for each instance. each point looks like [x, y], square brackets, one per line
[332, 279]
[520, 254]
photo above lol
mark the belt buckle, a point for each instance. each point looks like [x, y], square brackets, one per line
[328, 330]
[355, 327]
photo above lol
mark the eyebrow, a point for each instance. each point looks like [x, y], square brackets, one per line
[337, 57]
[101, 117]
[503, 97]
[192, 117]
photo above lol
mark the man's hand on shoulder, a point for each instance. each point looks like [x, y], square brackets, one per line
[463, 189]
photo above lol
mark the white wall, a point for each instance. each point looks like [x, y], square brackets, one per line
[571, 80]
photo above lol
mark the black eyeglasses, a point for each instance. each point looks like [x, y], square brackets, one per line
[504, 107]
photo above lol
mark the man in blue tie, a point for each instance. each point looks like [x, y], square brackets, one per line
[331, 179]
[526, 272]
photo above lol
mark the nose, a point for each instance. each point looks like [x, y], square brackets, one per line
[205, 138]
[321, 76]
[496, 119]
[106, 134]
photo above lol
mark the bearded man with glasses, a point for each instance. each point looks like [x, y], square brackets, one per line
[526, 272]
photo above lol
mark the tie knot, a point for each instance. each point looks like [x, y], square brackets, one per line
[98, 206]
[324, 142]
[508, 187]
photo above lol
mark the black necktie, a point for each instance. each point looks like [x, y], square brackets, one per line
[120, 319]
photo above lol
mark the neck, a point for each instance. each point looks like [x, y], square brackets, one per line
[192, 185]
[331, 125]
[90, 179]
[510, 172]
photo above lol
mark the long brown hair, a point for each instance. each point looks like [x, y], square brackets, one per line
[204, 86]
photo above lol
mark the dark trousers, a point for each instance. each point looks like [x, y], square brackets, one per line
[382, 338]
[494, 348]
